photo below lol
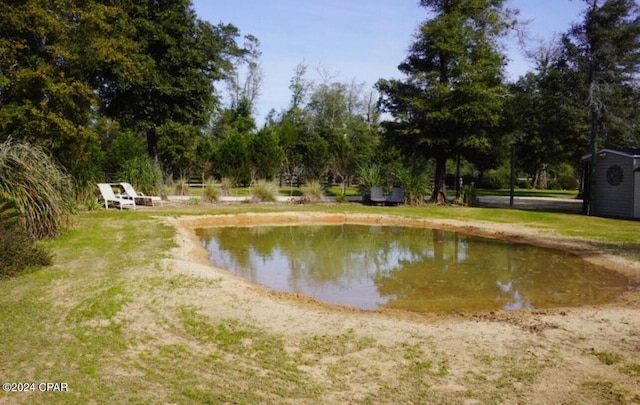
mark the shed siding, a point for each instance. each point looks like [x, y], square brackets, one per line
[614, 201]
[636, 196]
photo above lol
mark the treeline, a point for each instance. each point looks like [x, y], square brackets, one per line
[123, 88]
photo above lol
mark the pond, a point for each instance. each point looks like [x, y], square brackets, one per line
[405, 268]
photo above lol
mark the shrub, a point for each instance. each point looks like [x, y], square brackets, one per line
[554, 185]
[181, 187]
[226, 184]
[313, 191]
[37, 186]
[495, 179]
[469, 197]
[415, 183]
[124, 146]
[93, 204]
[370, 176]
[264, 191]
[568, 182]
[143, 174]
[211, 192]
[340, 199]
[17, 250]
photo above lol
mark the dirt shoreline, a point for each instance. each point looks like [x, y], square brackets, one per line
[559, 350]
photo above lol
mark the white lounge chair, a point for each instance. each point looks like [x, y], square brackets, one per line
[139, 198]
[110, 198]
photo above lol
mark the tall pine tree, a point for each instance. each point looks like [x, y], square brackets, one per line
[603, 52]
[452, 98]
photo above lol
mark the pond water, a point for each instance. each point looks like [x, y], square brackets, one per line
[414, 269]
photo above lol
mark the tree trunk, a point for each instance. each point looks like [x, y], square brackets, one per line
[458, 184]
[439, 195]
[152, 143]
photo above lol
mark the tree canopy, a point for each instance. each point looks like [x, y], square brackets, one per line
[452, 98]
[150, 67]
[99, 83]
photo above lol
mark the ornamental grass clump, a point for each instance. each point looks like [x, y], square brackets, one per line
[17, 250]
[414, 180]
[264, 191]
[313, 191]
[370, 176]
[144, 174]
[181, 187]
[226, 186]
[39, 189]
[211, 192]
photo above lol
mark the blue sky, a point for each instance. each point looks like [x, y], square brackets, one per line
[363, 40]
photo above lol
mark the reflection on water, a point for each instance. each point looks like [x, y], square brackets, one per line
[415, 269]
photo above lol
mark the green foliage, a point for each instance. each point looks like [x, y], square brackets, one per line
[211, 192]
[177, 145]
[313, 191]
[566, 178]
[602, 56]
[370, 176]
[143, 174]
[73, 74]
[469, 196]
[631, 369]
[124, 147]
[607, 357]
[341, 198]
[37, 186]
[415, 183]
[547, 124]
[495, 179]
[181, 187]
[93, 204]
[84, 179]
[226, 184]
[563, 182]
[267, 155]
[264, 191]
[50, 52]
[182, 57]
[17, 250]
[233, 158]
[314, 150]
[452, 100]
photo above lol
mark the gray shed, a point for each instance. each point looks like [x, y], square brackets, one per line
[616, 185]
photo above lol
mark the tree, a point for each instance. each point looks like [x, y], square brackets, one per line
[545, 121]
[604, 50]
[173, 97]
[233, 158]
[49, 54]
[266, 154]
[452, 99]
[246, 90]
[299, 86]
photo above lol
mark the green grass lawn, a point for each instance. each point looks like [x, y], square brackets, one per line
[118, 326]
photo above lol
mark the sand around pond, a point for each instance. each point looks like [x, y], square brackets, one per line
[586, 355]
